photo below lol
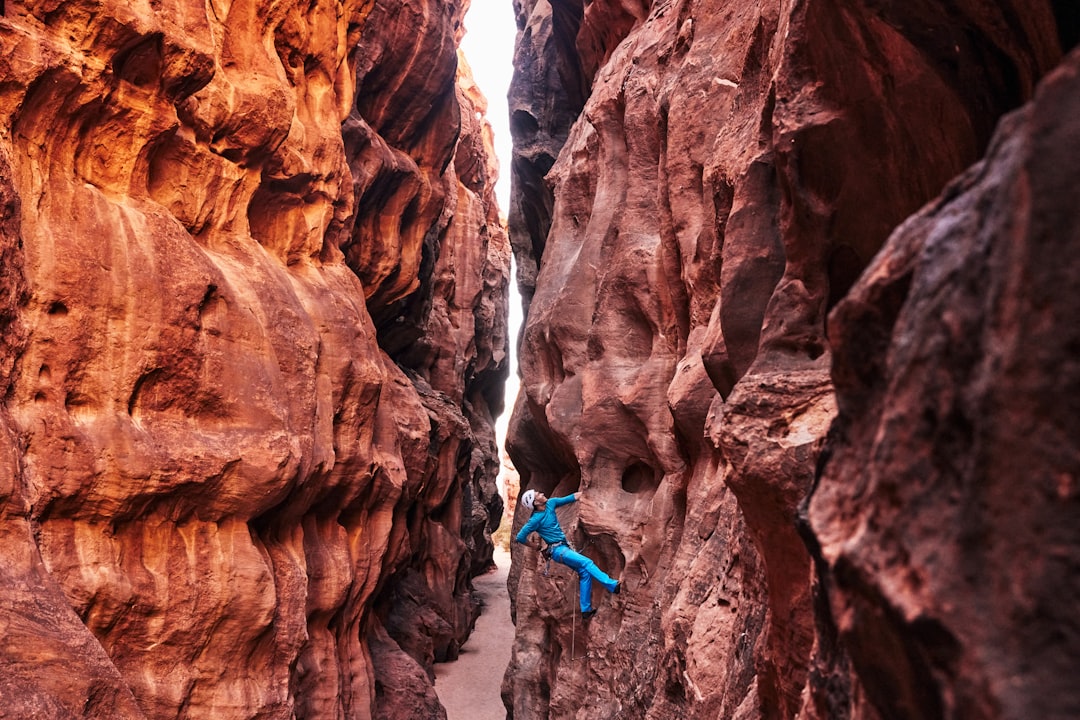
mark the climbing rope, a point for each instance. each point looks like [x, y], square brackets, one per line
[573, 623]
[546, 553]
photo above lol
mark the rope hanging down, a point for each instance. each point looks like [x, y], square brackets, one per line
[573, 625]
[545, 551]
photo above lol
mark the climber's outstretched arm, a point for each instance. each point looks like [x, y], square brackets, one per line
[565, 500]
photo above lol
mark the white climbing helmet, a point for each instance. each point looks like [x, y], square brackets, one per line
[527, 498]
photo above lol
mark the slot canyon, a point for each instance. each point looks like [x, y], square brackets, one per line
[800, 283]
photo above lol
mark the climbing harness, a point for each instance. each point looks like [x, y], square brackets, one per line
[548, 551]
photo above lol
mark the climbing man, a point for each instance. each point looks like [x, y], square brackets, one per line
[546, 524]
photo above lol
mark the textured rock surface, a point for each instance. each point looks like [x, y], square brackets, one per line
[958, 379]
[252, 337]
[730, 171]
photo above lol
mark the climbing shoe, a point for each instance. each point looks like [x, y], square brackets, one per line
[588, 614]
[618, 587]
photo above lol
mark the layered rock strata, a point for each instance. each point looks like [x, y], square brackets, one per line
[252, 332]
[732, 170]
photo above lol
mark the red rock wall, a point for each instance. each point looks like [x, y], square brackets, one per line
[252, 333]
[696, 186]
[955, 591]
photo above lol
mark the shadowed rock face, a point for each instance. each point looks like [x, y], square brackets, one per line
[252, 338]
[957, 375]
[731, 171]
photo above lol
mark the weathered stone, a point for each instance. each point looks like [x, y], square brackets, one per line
[545, 97]
[215, 465]
[731, 172]
[946, 512]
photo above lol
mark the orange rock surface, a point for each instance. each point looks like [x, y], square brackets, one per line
[252, 334]
[697, 185]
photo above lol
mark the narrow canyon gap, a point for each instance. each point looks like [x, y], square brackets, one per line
[800, 284]
[800, 281]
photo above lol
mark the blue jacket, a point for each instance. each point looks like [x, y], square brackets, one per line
[546, 523]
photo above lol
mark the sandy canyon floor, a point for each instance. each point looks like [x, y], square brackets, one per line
[469, 687]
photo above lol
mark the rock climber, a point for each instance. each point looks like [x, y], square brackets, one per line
[546, 524]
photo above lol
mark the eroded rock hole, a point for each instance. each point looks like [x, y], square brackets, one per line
[523, 125]
[638, 478]
[140, 63]
[144, 389]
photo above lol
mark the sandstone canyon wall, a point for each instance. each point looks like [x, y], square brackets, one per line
[252, 340]
[697, 186]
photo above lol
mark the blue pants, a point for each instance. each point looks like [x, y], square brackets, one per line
[586, 570]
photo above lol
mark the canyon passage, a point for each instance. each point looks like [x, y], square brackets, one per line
[799, 281]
